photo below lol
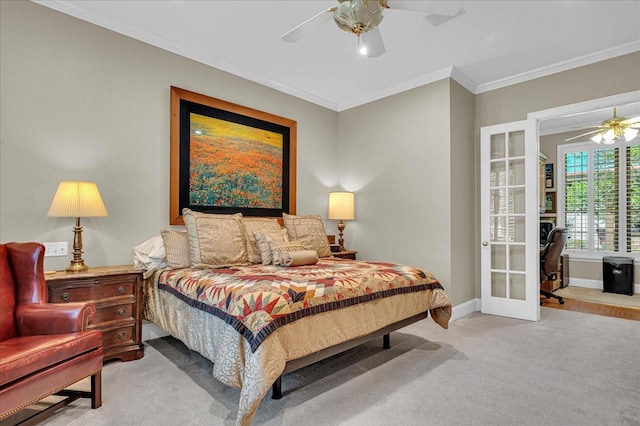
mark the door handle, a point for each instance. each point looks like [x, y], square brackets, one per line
[484, 243]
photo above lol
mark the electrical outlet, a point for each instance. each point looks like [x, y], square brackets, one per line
[56, 249]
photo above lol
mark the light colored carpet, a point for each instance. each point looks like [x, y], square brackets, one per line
[569, 368]
[598, 296]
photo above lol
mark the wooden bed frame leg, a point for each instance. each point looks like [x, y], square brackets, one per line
[276, 389]
[386, 341]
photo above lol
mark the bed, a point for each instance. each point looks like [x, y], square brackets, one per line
[256, 321]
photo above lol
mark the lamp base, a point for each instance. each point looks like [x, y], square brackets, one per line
[77, 266]
[341, 227]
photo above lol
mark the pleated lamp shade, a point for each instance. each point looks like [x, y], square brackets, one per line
[341, 205]
[77, 199]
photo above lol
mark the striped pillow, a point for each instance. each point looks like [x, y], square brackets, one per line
[258, 224]
[176, 247]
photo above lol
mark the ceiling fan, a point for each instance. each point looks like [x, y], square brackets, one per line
[612, 130]
[362, 17]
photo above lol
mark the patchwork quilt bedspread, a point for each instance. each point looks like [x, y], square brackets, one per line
[250, 320]
[257, 299]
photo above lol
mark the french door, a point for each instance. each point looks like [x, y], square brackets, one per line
[510, 254]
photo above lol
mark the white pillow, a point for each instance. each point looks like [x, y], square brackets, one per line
[150, 255]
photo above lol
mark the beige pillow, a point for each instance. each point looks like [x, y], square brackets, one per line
[176, 247]
[309, 230]
[258, 224]
[215, 239]
[283, 257]
[264, 241]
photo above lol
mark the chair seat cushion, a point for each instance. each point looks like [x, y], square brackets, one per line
[25, 355]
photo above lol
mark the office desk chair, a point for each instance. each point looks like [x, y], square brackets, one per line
[550, 258]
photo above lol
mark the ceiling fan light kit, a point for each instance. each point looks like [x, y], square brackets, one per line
[359, 16]
[613, 130]
[362, 17]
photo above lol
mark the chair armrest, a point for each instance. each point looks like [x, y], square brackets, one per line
[54, 318]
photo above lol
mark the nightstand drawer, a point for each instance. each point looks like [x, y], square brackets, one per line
[114, 313]
[90, 289]
[117, 336]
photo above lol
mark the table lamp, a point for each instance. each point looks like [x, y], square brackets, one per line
[77, 199]
[341, 208]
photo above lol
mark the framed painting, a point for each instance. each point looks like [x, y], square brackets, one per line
[550, 202]
[548, 176]
[226, 158]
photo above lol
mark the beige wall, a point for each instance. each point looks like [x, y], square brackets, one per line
[463, 175]
[83, 103]
[410, 159]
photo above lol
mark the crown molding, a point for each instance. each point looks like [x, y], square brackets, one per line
[580, 61]
[101, 20]
[399, 88]
[69, 8]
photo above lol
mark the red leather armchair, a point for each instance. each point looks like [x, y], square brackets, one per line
[44, 347]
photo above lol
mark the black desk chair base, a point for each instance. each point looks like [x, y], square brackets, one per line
[555, 296]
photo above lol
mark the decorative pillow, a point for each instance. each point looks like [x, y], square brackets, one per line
[283, 257]
[176, 247]
[215, 240]
[264, 241]
[309, 230]
[258, 224]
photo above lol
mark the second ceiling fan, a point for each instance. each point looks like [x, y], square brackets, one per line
[613, 130]
[362, 17]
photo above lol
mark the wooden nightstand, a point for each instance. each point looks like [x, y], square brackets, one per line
[116, 291]
[346, 254]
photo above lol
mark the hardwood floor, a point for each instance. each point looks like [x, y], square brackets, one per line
[616, 311]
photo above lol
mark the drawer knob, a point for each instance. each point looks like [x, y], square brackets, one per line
[65, 297]
[121, 335]
[121, 290]
[121, 312]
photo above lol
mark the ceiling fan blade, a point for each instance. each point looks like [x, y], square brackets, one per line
[439, 18]
[372, 41]
[584, 134]
[308, 26]
[633, 120]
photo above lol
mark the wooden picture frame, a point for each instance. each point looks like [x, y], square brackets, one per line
[550, 202]
[227, 158]
[548, 175]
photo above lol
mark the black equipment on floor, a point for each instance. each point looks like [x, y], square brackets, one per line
[617, 275]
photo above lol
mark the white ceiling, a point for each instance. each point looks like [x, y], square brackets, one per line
[491, 45]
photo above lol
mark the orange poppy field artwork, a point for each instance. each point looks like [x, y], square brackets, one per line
[226, 158]
[234, 165]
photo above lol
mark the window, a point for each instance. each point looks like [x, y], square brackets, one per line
[600, 197]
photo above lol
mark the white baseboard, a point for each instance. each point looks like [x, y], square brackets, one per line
[595, 284]
[465, 308]
[151, 331]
